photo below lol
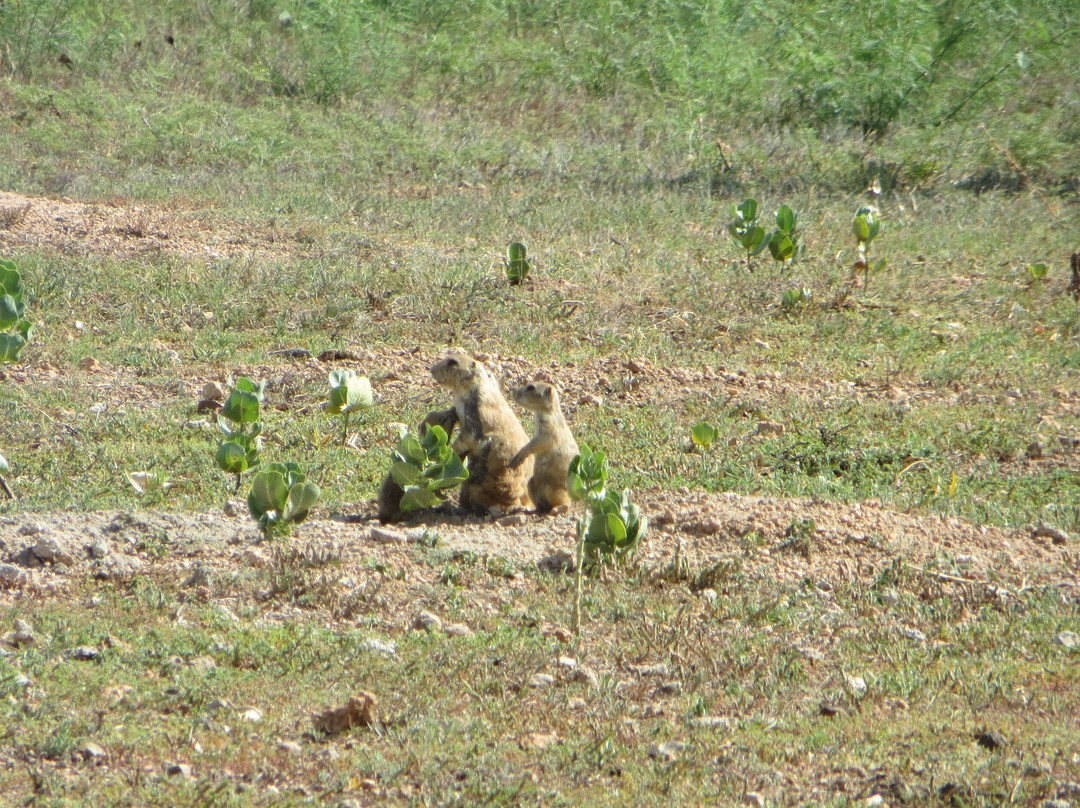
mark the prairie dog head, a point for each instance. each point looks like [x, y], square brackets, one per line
[458, 371]
[538, 397]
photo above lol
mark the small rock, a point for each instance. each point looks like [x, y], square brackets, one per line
[252, 715]
[708, 595]
[84, 653]
[659, 669]
[90, 364]
[566, 662]
[496, 512]
[213, 391]
[1069, 639]
[1057, 804]
[753, 799]
[991, 739]
[10, 575]
[590, 399]
[117, 567]
[49, 549]
[575, 704]
[217, 705]
[559, 510]
[539, 740]
[1054, 534]
[668, 750]
[513, 520]
[653, 710]
[1034, 450]
[710, 722]
[913, 634]
[226, 612]
[30, 529]
[24, 634]
[98, 549]
[559, 561]
[586, 676]
[255, 557]
[426, 621]
[458, 630]
[179, 770]
[235, 509]
[856, 684]
[292, 747]
[379, 646]
[22, 681]
[382, 535]
[91, 751]
[760, 343]
[203, 664]
[874, 800]
[828, 709]
[540, 680]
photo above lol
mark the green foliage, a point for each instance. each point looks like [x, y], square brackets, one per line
[426, 467]
[866, 226]
[793, 299]
[704, 435]
[516, 263]
[587, 475]
[280, 496]
[349, 393]
[16, 331]
[239, 450]
[784, 242]
[1038, 271]
[613, 527]
[745, 230]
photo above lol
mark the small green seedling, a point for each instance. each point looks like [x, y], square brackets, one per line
[15, 332]
[794, 299]
[280, 497]
[425, 467]
[784, 245]
[516, 263]
[614, 528]
[704, 435]
[745, 230]
[349, 393]
[866, 227]
[611, 528]
[239, 450]
[1037, 271]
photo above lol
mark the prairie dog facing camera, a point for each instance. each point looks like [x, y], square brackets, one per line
[551, 448]
[489, 434]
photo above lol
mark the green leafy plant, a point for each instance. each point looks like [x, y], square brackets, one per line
[704, 435]
[349, 393]
[15, 332]
[1038, 271]
[866, 227]
[280, 497]
[516, 263]
[611, 528]
[425, 467]
[240, 448]
[745, 230]
[793, 299]
[784, 243]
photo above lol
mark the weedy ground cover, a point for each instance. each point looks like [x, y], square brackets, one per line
[347, 176]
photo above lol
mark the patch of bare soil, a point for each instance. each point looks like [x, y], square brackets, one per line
[77, 228]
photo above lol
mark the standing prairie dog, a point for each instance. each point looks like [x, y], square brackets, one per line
[552, 447]
[488, 435]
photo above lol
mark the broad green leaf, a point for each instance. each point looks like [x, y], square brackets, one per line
[241, 407]
[758, 240]
[268, 495]
[786, 219]
[704, 435]
[11, 281]
[302, 498]
[246, 385]
[4, 465]
[11, 346]
[1037, 271]
[25, 329]
[339, 376]
[405, 474]
[516, 251]
[9, 312]
[781, 246]
[410, 451]
[359, 396]
[861, 228]
[747, 211]
[415, 499]
[232, 458]
[448, 474]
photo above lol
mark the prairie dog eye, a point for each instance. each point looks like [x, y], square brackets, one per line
[451, 362]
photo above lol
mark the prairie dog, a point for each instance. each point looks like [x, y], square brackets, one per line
[390, 493]
[488, 434]
[552, 447]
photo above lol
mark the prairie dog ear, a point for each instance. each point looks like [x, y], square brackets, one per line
[548, 392]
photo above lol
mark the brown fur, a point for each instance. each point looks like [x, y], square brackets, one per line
[390, 493]
[552, 447]
[488, 435]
